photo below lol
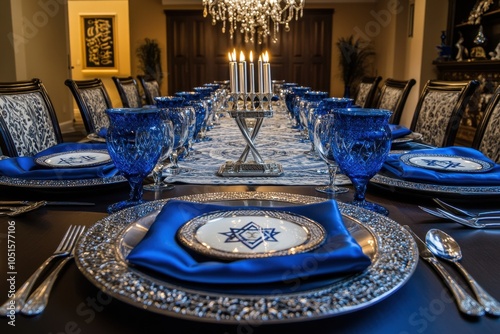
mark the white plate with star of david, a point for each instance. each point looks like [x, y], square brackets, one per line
[446, 163]
[80, 158]
[242, 234]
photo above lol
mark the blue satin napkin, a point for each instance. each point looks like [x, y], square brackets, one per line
[160, 251]
[27, 168]
[399, 131]
[412, 173]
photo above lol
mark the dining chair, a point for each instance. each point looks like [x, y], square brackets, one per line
[367, 91]
[151, 89]
[92, 99]
[28, 122]
[440, 109]
[128, 91]
[487, 135]
[393, 96]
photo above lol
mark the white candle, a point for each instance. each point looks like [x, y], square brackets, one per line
[261, 79]
[252, 74]
[267, 74]
[233, 74]
[242, 66]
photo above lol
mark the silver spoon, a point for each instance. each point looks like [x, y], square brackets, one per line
[445, 247]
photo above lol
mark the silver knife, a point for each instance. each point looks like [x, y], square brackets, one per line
[465, 302]
[46, 203]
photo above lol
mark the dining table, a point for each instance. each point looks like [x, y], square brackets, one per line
[421, 303]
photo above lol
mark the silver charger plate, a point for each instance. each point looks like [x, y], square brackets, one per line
[408, 138]
[392, 183]
[446, 162]
[54, 184]
[100, 255]
[74, 159]
[242, 234]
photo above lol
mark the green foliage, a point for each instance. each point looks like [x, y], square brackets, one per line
[149, 54]
[354, 59]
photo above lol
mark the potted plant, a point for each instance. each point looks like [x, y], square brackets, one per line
[149, 54]
[354, 60]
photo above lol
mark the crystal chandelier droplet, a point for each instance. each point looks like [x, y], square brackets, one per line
[254, 17]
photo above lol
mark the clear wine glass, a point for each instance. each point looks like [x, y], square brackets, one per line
[134, 139]
[158, 173]
[361, 143]
[323, 136]
[325, 106]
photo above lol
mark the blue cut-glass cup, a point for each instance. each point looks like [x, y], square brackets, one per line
[361, 144]
[134, 139]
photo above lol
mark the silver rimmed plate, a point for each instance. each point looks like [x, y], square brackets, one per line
[392, 184]
[75, 159]
[241, 234]
[54, 184]
[446, 162]
[408, 138]
[101, 251]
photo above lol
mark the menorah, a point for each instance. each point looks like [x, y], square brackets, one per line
[249, 111]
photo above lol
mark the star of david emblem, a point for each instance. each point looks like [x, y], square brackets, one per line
[445, 164]
[76, 160]
[251, 235]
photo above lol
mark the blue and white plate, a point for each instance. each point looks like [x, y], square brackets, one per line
[446, 163]
[240, 234]
[70, 159]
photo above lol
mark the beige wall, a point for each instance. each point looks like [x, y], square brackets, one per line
[39, 46]
[7, 56]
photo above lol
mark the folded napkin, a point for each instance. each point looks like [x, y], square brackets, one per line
[103, 132]
[27, 168]
[160, 251]
[399, 131]
[412, 173]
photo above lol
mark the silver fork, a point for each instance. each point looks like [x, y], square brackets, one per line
[19, 299]
[464, 221]
[38, 300]
[459, 211]
[471, 222]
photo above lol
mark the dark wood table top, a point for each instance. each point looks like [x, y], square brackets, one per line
[422, 305]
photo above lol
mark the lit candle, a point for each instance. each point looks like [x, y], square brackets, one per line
[259, 71]
[252, 74]
[267, 73]
[242, 66]
[233, 74]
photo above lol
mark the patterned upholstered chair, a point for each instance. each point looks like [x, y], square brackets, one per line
[28, 123]
[129, 92]
[487, 137]
[439, 110]
[151, 89]
[366, 91]
[92, 99]
[393, 96]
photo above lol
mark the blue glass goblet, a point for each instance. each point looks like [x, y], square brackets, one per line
[361, 143]
[134, 139]
[323, 135]
[194, 100]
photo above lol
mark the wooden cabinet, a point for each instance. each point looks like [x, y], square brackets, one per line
[486, 70]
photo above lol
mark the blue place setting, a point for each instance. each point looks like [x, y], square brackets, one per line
[38, 167]
[161, 252]
[399, 131]
[452, 165]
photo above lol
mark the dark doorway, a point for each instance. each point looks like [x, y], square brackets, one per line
[197, 51]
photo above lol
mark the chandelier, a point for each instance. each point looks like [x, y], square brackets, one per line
[251, 17]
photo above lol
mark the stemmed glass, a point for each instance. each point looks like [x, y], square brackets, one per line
[193, 99]
[134, 139]
[158, 171]
[323, 135]
[361, 143]
[298, 93]
[326, 106]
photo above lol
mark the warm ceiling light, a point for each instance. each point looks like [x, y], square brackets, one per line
[254, 16]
